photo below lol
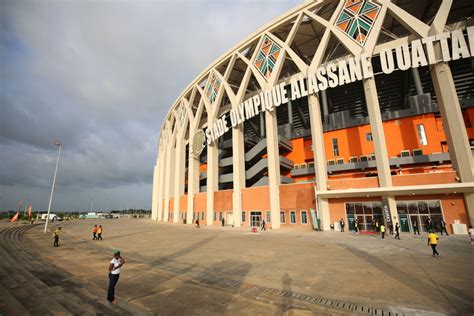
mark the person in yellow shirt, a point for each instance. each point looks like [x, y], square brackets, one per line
[99, 232]
[382, 230]
[433, 242]
[56, 237]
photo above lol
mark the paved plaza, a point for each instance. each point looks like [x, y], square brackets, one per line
[183, 270]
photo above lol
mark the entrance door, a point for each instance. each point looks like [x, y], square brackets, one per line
[229, 218]
[404, 223]
[255, 219]
[351, 221]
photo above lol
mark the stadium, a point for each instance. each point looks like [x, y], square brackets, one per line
[354, 110]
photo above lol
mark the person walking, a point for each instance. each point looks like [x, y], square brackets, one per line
[429, 225]
[56, 237]
[382, 230]
[223, 222]
[94, 232]
[442, 224]
[377, 228]
[99, 232]
[356, 225]
[115, 267]
[416, 229]
[433, 242]
[341, 222]
[397, 231]
[197, 224]
[264, 226]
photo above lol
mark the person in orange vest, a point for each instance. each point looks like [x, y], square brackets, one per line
[99, 232]
[94, 232]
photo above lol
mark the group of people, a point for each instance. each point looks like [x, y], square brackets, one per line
[97, 232]
[115, 264]
[432, 236]
[198, 226]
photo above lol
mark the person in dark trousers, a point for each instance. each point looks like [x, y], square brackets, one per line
[342, 225]
[442, 224]
[429, 224]
[56, 237]
[197, 224]
[377, 230]
[223, 222]
[382, 231]
[356, 225]
[94, 232]
[416, 229]
[99, 233]
[433, 242]
[397, 231]
[264, 226]
[114, 274]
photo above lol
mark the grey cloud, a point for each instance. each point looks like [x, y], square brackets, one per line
[101, 76]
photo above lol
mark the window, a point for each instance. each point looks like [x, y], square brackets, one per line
[421, 134]
[220, 216]
[368, 137]
[197, 216]
[282, 217]
[243, 217]
[335, 147]
[202, 216]
[292, 217]
[268, 217]
[215, 216]
[304, 217]
[310, 164]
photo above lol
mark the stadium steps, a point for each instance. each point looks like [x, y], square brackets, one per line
[30, 285]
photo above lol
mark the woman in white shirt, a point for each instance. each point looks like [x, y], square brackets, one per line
[114, 274]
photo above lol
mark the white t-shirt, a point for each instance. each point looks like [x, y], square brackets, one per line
[116, 263]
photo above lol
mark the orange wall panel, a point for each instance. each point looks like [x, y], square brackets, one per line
[424, 178]
[223, 200]
[257, 198]
[183, 203]
[355, 183]
[200, 202]
[297, 196]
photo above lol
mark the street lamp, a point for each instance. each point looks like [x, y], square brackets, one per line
[57, 143]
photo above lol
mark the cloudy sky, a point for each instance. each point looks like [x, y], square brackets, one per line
[100, 76]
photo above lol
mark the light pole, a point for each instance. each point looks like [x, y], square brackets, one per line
[57, 143]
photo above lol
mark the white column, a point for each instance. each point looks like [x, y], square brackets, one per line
[378, 135]
[168, 182]
[161, 181]
[238, 172]
[273, 155]
[212, 181]
[193, 185]
[380, 145]
[154, 192]
[392, 204]
[456, 135]
[180, 164]
[319, 153]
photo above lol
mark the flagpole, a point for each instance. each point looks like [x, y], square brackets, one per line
[57, 143]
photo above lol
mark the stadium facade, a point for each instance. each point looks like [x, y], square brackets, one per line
[336, 110]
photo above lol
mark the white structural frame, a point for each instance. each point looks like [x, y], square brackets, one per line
[169, 175]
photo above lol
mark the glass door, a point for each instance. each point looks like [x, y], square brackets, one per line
[255, 219]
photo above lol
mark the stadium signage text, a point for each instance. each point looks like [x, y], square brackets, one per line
[420, 52]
